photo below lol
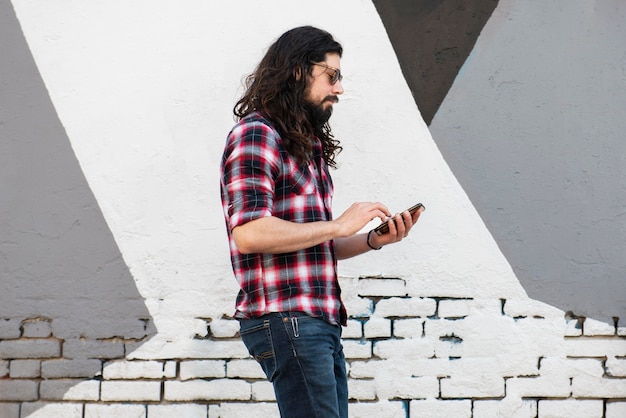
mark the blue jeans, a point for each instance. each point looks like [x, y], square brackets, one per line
[303, 358]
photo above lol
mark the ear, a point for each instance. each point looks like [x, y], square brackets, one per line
[297, 73]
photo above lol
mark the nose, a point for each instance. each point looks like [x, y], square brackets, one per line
[337, 88]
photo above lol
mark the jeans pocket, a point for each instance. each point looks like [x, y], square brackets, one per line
[256, 334]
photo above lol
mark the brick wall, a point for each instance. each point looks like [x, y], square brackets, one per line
[421, 356]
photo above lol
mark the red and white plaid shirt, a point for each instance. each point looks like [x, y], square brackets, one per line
[260, 178]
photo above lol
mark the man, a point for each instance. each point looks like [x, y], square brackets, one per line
[276, 193]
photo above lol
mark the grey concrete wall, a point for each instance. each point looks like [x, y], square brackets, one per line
[533, 128]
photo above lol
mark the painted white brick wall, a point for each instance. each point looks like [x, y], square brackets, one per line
[263, 391]
[193, 369]
[615, 409]
[431, 365]
[571, 408]
[25, 368]
[438, 328]
[439, 408]
[218, 389]
[40, 410]
[182, 411]
[121, 369]
[113, 410]
[69, 390]
[130, 391]
[508, 407]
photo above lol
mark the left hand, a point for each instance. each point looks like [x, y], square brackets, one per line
[399, 227]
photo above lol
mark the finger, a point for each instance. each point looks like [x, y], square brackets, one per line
[372, 215]
[393, 226]
[399, 224]
[417, 214]
[407, 222]
[380, 211]
[383, 209]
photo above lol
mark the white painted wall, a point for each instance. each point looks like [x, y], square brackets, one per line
[145, 91]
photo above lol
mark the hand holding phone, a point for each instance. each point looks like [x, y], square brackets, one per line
[384, 227]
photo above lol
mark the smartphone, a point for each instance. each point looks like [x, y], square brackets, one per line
[384, 227]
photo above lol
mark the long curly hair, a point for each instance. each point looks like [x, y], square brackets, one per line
[277, 89]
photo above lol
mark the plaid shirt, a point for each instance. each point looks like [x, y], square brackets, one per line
[259, 178]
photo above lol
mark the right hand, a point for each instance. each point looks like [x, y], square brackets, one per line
[360, 214]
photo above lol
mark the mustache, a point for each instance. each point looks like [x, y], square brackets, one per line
[332, 98]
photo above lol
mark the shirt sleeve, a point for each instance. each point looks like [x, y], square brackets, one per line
[250, 166]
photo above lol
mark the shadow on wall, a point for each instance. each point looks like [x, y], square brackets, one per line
[432, 40]
[533, 132]
[58, 260]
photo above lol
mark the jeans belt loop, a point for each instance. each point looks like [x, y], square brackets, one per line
[294, 326]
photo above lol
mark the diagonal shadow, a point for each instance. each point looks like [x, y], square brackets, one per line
[58, 258]
[557, 223]
[432, 40]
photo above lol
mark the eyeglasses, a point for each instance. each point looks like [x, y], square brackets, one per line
[335, 75]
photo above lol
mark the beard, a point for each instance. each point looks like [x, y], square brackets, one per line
[318, 115]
